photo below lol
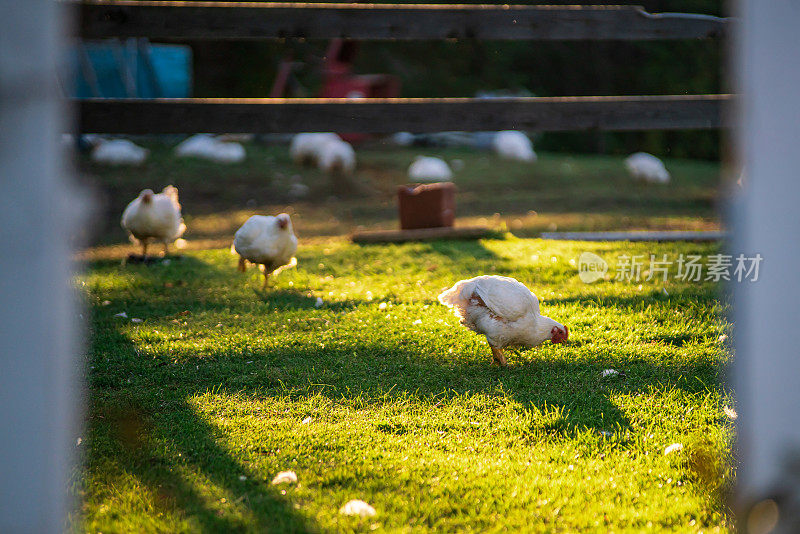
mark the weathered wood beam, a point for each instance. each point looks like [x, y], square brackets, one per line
[99, 19]
[278, 115]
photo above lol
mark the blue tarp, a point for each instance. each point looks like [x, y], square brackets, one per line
[168, 75]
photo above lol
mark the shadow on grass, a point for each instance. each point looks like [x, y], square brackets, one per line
[368, 369]
[163, 442]
[458, 251]
[454, 251]
[192, 285]
[172, 268]
[295, 299]
[133, 437]
[691, 296]
[283, 299]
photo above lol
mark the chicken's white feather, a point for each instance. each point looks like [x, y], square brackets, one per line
[119, 152]
[155, 216]
[506, 297]
[262, 240]
[644, 166]
[429, 169]
[336, 155]
[502, 309]
[403, 138]
[513, 144]
[208, 147]
[305, 147]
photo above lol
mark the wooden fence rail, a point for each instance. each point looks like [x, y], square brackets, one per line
[402, 114]
[253, 20]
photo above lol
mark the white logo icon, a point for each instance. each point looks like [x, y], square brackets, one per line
[591, 267]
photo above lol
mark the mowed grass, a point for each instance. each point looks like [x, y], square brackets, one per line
[194, 410]
[559, 192]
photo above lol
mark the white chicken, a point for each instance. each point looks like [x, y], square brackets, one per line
[118, 152]
[152, 216]
[209, 147]
[403, 139]
[305, 148]
[336, 156]
[267, 241]
[647, 167]
[429, 169]
[513, 144]
[503, 310]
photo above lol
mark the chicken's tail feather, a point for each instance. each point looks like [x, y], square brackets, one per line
[457, 298]
[248, 233]
[172, 192]
[448, 297]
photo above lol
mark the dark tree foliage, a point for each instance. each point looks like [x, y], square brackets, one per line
[461, 68]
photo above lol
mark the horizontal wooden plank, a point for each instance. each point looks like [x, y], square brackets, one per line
[418, 115]
[100, 19]
[421, 234]
[635, 236]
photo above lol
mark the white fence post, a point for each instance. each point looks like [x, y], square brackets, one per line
[38, 318]
[767, 221]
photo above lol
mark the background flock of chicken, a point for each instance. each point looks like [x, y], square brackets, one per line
[500, 308]
[333, 155]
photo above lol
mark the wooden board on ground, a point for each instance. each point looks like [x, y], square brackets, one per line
[635, 236]
[422, 234]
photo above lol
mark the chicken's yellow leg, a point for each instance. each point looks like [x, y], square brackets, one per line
[242, 264]
[144, 249]
[266, 279]
[497, 354]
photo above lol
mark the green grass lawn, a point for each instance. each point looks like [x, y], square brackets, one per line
[192, 411]
[195, 409]
[559, 192]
